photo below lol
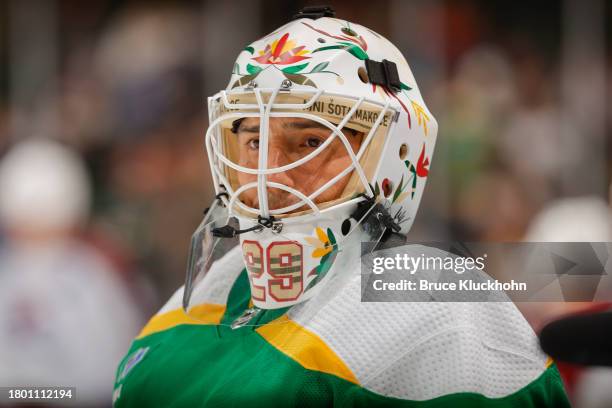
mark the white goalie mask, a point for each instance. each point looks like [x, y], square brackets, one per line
[321, 126]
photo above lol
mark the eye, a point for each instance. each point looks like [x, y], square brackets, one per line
[313, 142]
[253, 144]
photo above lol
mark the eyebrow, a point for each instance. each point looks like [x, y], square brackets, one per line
[308, 124]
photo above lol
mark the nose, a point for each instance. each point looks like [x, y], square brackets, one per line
[278, 158]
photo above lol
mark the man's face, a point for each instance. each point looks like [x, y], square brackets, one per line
[289, 140]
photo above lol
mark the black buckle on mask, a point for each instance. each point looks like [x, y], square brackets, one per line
[376, 212]
[314, 12]
[384, 73]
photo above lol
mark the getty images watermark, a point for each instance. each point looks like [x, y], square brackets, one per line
[458, 272]
[422, 263]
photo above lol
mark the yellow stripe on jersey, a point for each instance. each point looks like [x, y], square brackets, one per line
[305, 347]
[206, 313]
[549, 362]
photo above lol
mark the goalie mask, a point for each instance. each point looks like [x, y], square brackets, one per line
[320, 141]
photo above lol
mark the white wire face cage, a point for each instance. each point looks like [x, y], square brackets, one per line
[337, 113]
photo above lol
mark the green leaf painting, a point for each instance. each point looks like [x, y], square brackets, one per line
[319, 67]
[294, 69]
[244, 80]
[253, 69]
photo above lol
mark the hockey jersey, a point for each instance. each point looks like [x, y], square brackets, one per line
[334, 350]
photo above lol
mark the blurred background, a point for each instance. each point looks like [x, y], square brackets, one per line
[103, 175]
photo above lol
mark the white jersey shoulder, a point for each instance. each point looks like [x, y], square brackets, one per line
[423, 350]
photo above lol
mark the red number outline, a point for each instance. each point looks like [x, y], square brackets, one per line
[280, 280]
[261, 270]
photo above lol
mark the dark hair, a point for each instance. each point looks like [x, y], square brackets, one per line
[236, 125]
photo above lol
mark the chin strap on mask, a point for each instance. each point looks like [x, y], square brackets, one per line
[218, 200]
[227, 231]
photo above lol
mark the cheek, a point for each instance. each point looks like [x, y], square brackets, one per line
[334, 192]
[335, 164]
[243, 179]
[248, 158]
[324, 173]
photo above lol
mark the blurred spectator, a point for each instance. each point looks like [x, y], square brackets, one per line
[477, 98]
[528, 144]
[580, 219]
[151, 174]
[66, 318]
[495, 207]
[148, 61]
[155, 197]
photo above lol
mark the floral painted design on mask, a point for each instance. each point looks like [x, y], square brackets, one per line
[283, 54]
[399, 193]
[323, 243]
[418, 170]
[421, 115]
[326, 248]
[349, 40]
[353, 43]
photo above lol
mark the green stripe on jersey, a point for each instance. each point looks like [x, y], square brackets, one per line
[215, 366]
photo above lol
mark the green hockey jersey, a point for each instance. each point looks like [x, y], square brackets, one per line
[334, 350]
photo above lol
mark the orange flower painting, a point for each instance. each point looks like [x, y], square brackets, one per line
[282, 52]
